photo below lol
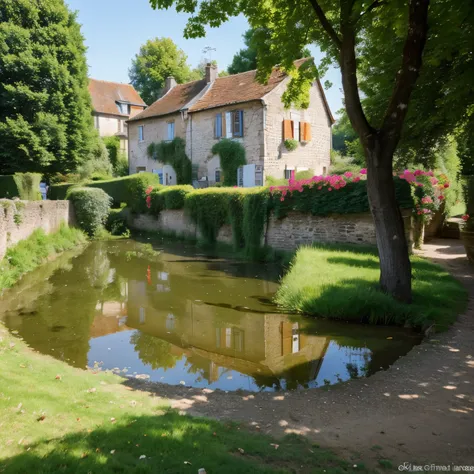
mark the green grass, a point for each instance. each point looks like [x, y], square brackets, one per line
[58, 419]
[340, 282]
[33, 251]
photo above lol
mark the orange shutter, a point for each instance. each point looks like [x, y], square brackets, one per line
[307, 131]
[287, 129]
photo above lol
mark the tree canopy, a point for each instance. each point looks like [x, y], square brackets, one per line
[45, 110]
[159, 58]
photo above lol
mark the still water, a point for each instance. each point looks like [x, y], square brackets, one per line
[184, 317]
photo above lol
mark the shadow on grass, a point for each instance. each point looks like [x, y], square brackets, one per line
[171, 443]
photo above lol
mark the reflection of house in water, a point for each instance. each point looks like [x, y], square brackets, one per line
[264, 346]
[111, 316]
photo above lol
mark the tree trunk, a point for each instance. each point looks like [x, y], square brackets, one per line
[395, 266]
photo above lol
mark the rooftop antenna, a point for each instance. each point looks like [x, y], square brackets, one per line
[209, 49]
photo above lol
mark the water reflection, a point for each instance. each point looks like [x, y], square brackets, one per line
[186, 318]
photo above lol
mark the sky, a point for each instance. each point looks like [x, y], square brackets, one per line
[114, 30]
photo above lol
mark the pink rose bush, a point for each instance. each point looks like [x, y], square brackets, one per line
[323, 183]
[428, 193]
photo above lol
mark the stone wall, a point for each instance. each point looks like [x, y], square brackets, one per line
[31, 215]
[288, 233]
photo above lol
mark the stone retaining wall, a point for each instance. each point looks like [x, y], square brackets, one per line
[284, 234]
[31, 215]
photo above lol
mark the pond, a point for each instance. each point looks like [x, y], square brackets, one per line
[185, 317]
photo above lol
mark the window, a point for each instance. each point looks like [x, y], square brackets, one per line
[141, 133]
[123, 108]
[324, 170]
[237, 123]
[289, 174]
[218, 126]
[170, 131]
[141, 169]
[296, 131]
[218, 176]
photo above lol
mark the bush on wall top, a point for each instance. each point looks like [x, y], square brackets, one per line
[25, 186]
[92, 206]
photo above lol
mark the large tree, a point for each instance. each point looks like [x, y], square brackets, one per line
[45, 110]
[341, 28]
[159, 58]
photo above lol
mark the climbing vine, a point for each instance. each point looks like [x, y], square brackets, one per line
[232, 156]
[173, 153]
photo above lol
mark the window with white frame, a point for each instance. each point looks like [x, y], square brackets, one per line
[288, 173]
[218, 126]
[170, 133]
[141, 133]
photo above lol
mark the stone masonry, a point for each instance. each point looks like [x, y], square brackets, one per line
[32, 215]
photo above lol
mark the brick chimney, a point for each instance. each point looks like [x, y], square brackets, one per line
[170, 82]
[211, 72]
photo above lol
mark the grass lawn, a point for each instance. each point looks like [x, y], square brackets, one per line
[55, 418]
[340, 282]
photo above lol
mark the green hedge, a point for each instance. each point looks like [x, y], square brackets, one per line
[25, 186]
[129, 189]
[92, 207]
[57, 192]
[352, 199]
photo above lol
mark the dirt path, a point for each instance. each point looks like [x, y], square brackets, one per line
[419, 411]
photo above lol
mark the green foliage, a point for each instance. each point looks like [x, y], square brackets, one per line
[306, 174]
[92, 206]
[173, 197]
[57, 192]
[135, 186]
[117, 157]
[117, 223]
[232, 156]
[34, 250]
[341, 165]
[173, 153]
[98, 167]
[209, 210]
[45, 109]
[22, 185]
[158, 58]
[291, 144]
[348, 200]
[468, 191]
[235, 210]
[341, 282]
[255, 219]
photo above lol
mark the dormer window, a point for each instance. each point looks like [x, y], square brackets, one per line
[123, 108]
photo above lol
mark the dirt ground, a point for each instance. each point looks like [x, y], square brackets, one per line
[420, 411]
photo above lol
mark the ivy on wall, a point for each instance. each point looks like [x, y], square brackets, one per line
[173, 153]
[232, 157]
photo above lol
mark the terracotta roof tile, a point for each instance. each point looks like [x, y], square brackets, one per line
[173, 101]
[239, 88]
[105, 96]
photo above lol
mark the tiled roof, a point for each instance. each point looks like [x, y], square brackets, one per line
[227, 90]
[173, 101]
[239, 88]
[105, 96]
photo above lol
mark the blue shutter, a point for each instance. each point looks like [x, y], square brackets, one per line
[218, 130]
[241, 123]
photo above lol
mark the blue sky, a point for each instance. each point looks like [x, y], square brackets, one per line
[114, 30]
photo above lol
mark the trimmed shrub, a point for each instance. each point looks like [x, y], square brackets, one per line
[117, 222]
[135, 187]
[25, 186]
[174, 196]
[255, 217]
[57, 192]
[232, 157]
[208, 208]
[173, 153]
[235, 203]
[92, 206]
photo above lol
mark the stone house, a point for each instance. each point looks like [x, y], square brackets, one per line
[240, 108]
[113, 104]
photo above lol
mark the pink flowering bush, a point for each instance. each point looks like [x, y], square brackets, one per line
[428, 192]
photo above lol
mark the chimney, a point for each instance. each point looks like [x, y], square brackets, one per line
[211, 72]
[170, 82]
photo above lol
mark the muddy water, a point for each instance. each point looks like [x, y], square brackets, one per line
[184, 317]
